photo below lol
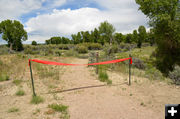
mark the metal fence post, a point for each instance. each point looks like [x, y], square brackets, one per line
[130, 69]
[97, 58]
[34, 94]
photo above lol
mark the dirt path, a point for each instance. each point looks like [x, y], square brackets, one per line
[79, 88]
[88, 98]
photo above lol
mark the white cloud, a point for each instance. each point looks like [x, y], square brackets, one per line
[12, 9]
[66, 22]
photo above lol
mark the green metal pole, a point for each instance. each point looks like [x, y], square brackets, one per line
[34, 94]
[130, 69]
[97, 67]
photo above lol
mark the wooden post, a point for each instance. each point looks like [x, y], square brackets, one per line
[97, 58]
[34, 94]
[130, 69]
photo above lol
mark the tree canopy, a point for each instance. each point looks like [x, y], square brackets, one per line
[107, 29]
[34, 43]
[165, 20]
[135, 36]
[13, 32]
[142, 36]
[118, 37]
[58, 40]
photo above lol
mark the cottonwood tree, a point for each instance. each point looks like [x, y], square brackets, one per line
[79, 38]
[106, 29]
[34, 43]
[164, 17]
[135, 36]
[74, 37]
[141, 36]
[151, 37]
[118, 37]
[86, 37]
[96, 35]
[13, 32]
[129, 38]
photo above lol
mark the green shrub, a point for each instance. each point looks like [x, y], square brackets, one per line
[92, 57]
[103, 76]
[175, 75]
[20, 92]
[133, 45]
[64, 46]
[30, 51]
[4, 49]
[108, 49]
[145, 44]
[58, 53]
[4, 77]
[122, 45]
[58, 107]
[34, 43]
[127, 47]
[94, 46]
[13, 109]
[138, 63]
[71, 53]
[153, 74]
[114, 48]
[48, 51]
[19, 55]
[81, 49]
[37, 100]
[17, 82]
[154, 54]
[27, 51]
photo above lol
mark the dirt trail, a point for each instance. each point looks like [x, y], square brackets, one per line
[88, 98]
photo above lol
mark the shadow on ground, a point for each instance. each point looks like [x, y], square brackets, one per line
[86, 87]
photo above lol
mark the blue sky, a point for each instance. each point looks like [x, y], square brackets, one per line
[43, 19]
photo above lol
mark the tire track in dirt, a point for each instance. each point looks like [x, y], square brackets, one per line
[88, 98]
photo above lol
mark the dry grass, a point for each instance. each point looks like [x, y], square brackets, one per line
[13, 109]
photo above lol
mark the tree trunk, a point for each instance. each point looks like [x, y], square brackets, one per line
[11, 46]
[110, 41]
